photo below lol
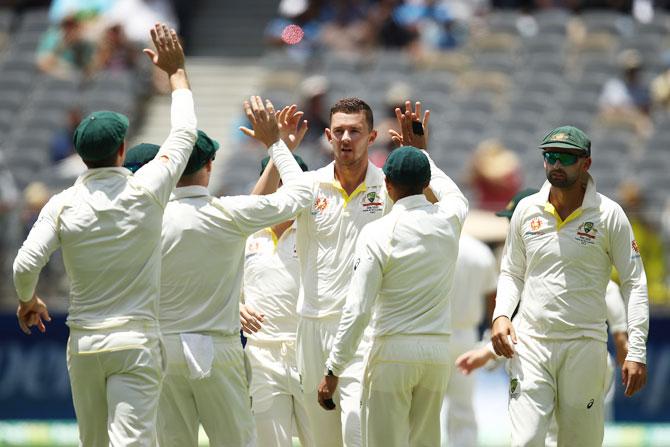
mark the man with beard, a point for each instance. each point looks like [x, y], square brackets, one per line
[558, 257]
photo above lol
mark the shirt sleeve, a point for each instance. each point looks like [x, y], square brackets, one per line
[616, 311]
[489, 272]
[448, 194]
[160, 176]
[626, 258]
[365, 285]
[253, 213]
[36, 250]
[512, 270]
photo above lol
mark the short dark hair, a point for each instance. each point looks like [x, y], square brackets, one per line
[406, 190]
[353, 105]
[107, 162]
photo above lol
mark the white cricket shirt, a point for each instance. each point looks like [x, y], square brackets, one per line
[403, 270]
[557, 271]
[327, 235]
[203, 244]
[271, 283]
[108, 225]
[475, 277]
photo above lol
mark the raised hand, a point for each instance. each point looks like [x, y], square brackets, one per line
[413, 126]
[263, 120]
[291, 129]
[169, 54]
[32, 313]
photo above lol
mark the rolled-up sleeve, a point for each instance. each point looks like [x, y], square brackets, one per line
[626, 258]
[36, 250]
[160, 176]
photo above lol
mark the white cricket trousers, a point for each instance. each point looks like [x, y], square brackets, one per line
[406, 377]
[278, 403]
[115, 376]
[565, 377]
[342, 426]
[219, 401]
[458, 422]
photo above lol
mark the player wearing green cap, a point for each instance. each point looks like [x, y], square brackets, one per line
[557, 262]
[203, 242]
[108, 226]
[402, 273]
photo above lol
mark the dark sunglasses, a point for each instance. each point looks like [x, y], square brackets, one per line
[565, 158]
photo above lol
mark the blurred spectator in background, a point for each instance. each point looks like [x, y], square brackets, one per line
[383, 145]
[64, 51]
[302, 13]
[61, 143]
[495, 175]
[9, 197]
[345, 26]
[648, 238]
[625, 99]
[433, 22]
[60, 9]
[115, 52]
[35, 196]
[313, 91]
[660, 87]
[388, 31]
[137, 16]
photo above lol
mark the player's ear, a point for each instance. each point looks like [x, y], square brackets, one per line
[329, 134]
[372, 137]
[587, 164]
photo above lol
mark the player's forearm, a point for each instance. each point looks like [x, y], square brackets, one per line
[638, 323]
[268, 181]
[507, 296]
[349, 335]
[288, 168]
[179, 80]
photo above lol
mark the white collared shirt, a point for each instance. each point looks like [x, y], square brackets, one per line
[203, 244]
[108, 225]
[558, 270]
[328, 234]
[403, 270]
[271, 282]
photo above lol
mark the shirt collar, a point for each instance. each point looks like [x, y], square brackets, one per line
[410, 202]
[590, 196]
[373, 176]
[102, 172]
[189, 191]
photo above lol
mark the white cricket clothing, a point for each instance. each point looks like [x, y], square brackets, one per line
[475, 277]
[203, 248]
[272, 282]
[327, 237]
[616, 309]
[557, 271]
[108, 225]
[219, 400]
[403, 270]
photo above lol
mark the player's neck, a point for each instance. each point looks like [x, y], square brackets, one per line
[567, 200]
[280, 228]
[350, 176]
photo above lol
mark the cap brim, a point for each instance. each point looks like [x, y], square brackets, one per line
[562, 146]
[504, 213]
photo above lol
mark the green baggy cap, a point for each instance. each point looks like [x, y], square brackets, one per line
[511, 206]
[567, 137]
[99, 135]
[204, 150]
[298, 158]
[140, 155]
[407, 165]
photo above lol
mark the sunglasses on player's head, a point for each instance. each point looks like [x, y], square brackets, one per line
[565, 158]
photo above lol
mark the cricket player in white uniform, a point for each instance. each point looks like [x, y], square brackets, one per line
[474, 286]
[108, 226]
[346, 195]
[271, 283]
[559, 252]
[402, 275]
[206, 380]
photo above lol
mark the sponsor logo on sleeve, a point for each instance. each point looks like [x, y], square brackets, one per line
[536, 225]
[636, 249]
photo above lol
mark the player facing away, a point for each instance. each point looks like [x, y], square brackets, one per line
[401, 277]
[108, 226]
[203, 243]
[269, 318]
[557, 262]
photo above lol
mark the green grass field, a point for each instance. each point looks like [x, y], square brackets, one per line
[64, 434]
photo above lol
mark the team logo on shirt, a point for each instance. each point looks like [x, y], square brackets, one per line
[586, 233]
[535, 224]
[636, 249]
[320, 205]
[514, 388]
[371, 203]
